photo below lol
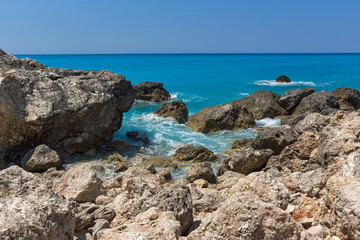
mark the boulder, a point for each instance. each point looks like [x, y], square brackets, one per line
[349, 98]
[313, 122]
[176, 110]
[237, 144]
[262, 104]
[152, 91]
[221, 117]
[202, 170]
[148, 166]
[138, 136]
[321, 102]
[160, 162]
[292, 98]
[311, 182]
[283, 79]
[190, 153]
[121, 166]
[205, 200]
[30, 210]
[116, 157]
[79, 184]
[40, 159]
[99, 225]
[70, 111]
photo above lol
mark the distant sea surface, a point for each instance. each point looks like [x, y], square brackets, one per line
[203, 80]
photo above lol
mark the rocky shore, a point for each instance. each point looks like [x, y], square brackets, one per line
[300, 180]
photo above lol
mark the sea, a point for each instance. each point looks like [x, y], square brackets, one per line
[204, 80]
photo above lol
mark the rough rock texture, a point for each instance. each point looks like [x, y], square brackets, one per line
[313, 122]
[321, 102]
[30, 210]
[67, 110]
[176, 110]
[221, 117]
[237, 144]
[262, 104]
[152, 91]
[202, 170]
[292, 98]
[160, 162]
[205, 199]
[310, 182]
[349, 98]
[40, 159]
[283, 79]
[246, 160]
[138, 136]
[351, 166]
[275, 138]
[79, 184]
[191, 153]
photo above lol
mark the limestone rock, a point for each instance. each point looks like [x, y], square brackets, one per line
[283, 79]
[313, 122]
[190, 153]
[148, 166]
[176, 110]
[321, 102]
[160, 162]
[205, 199]
[349, 98]
[152, 91]
[40, 159]
[292, 98]
[237, 144]
[202, 170]
[311, 182]
[121, 166]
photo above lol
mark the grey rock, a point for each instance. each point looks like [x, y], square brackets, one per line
[176, 110]
[202, 170]
[349, 98]
[311, 182]
[321, 102]
[313, 122]
[292, 98]
[40, 159]
[190, 153]
[152, 91]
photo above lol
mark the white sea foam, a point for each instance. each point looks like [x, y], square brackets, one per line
[186, 98]
[273, 83]
[268, 122]
[243, 94]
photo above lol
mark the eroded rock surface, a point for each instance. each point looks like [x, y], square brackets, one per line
[152, 91]
[176, 110]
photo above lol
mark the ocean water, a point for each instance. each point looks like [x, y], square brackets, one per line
[203, 80]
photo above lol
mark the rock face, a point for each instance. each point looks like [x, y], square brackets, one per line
[30, 210]
[292, 98]
[176, 110]
[221, 117]
[320, 102]
[70, 111]
[283, 79]
[201, 170]
[79, 184]
[40, 159]
[191, 153]
[349, 98]
[152, 91]
[262, 104]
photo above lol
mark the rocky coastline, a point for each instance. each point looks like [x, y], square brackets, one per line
[299, 180]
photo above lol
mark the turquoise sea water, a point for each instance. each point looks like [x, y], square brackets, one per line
[203, 80]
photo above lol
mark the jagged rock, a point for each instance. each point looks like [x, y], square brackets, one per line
[70, 111]
[138, 136]
[99, 225]
[262, 104]
[116, 157]
[349, 98]
[121, 166]
[205, 199]
[40, 159]
[152, 91]
[79, 184]
[148, 166]
[245, 160]
[191, 153]
[160, 162]
[176, 110]
[202, 170]
[221, 117]
[311, 182]
[306, 210]
[275, 138]
[111, 183]
[283, 79]
[292, 98]
[321, 102]
[51, 175]
[317, 232]
[30, 210]
[351, 166]
[237, 144]
[165, 173]
[313, 122]
[228, 179]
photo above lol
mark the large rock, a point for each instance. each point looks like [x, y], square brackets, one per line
[321, 102]
[283, 79]
[79, 184]
[70, 111]
[176, 110]
[311, 182]
[349, 98]
[221, 117]
[202, 170]
[190, 153]
[262, 104]
[292, 98]
[313, 122]
[152, 91]
[40, 159]
[30, 210]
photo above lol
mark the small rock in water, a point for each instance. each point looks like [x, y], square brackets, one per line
[177, 110]
[283, 79]
[148, 166]
[116, 157]
[138, 136]
[152, 91]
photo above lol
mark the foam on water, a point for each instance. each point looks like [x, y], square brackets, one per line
[273, 83]
[268, 122]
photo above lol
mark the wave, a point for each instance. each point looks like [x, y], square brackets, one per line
[273, 83]
[268, 122]
[186, 98]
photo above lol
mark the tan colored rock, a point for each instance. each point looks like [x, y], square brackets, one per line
[176, 110]
[202, 170]
[103, 200]
[40, 159]
[152, 91]
[190, 153]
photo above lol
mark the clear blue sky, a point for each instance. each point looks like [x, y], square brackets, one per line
[179, 26]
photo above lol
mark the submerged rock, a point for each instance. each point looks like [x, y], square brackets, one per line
[321, 102]
[349, 98]
[292, 98]
[176, 110]
[138, 136]
[152, 91]
[40, 159]
[283, 79]
[191, 153]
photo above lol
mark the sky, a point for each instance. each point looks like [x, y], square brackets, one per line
[174, 26]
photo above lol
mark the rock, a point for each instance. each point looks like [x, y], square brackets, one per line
[191, 153]
[160, 162]
[111, 183]
[121, 166]
[307, 210]
[30, 210]
[90, 153]
[138, 136]
[351, 166]
[311, 182]
[221, 117]
[317, 232]
[176, 110]
[313, 122]
[283, 79]
[147, 166]
[70, 111]
[228, 179]
[349, 98]
[99, 225]
[120, 145]
[51, 175]
[152, 91]
[165, 173]
[79, 184]
[205, 200]
[237, 144]
[321, 102]
[202, 170]
[262, 104]
[40, 159]
[245, 160]
[275, 138]
[103, 200]
[200, 183]
[116, 157]
[292, 98]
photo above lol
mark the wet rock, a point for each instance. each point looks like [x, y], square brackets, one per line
[116, 157]
[313, 122]
[262, 104]
[283, 79]
[30, 210]
[321, 102]
[176, 110]
[190, 153]
[202, 170]
[138, 136]
[120, 145]
[79, 184]
[292, 98]
[349, 98]
[148, 166]
[221, 117]
[121, 166]
[40, 159]
[275, 138]
[152, 91]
